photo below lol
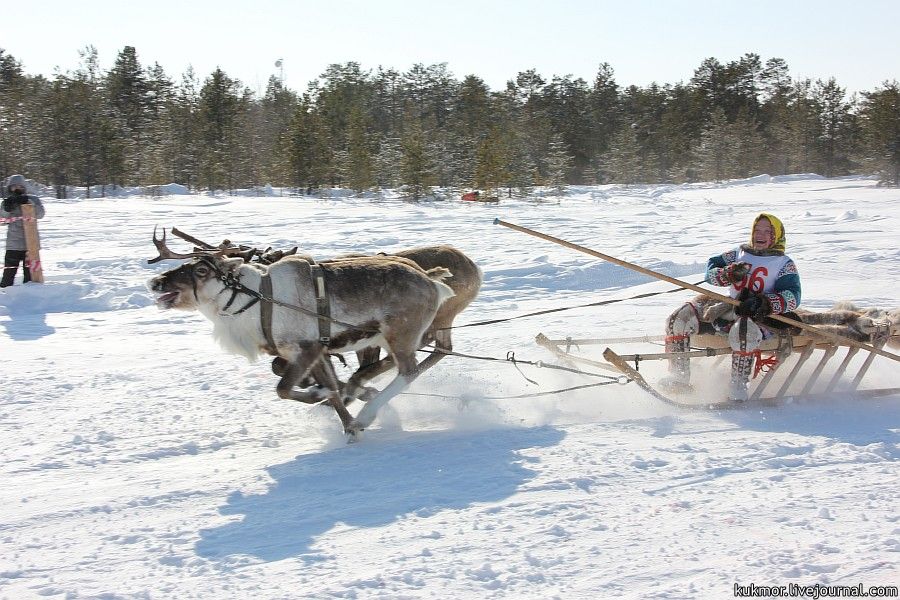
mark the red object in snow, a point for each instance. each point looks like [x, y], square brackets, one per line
[471, 195]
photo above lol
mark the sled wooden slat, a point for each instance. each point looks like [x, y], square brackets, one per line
[635, 376]
[804, 356]
[851, 352]
[600, 341]
[709, 352]
[772, 401]
[542, 340]
[866, 364]
[811, 381]
[785, 347]
[764, 382]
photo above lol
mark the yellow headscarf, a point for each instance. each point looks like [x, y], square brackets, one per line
[780, 238]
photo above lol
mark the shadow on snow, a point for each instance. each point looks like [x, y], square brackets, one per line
[372, 484]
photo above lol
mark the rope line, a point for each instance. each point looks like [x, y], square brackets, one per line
[9, 220]
[553, 310]
[518, 396]
[538, 364]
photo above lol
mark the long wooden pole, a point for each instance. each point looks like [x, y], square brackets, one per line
[32, 244]
[814, 330]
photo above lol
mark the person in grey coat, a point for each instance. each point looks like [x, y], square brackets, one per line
[11, 208]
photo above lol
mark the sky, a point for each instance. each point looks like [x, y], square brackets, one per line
[644, 41]
[142, 460]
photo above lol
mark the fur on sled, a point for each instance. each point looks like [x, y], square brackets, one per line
[844, 319]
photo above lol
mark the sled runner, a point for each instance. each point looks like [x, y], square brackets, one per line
[781, 367]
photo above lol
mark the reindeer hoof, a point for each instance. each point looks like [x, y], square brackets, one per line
[279, 366]
[354, 432]
[318, 393]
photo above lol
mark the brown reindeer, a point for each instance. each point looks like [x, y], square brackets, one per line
[373, 302]
[465, 282]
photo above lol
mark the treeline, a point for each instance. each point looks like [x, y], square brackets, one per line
[135, 126]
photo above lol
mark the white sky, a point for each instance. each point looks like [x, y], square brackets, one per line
[643, 40]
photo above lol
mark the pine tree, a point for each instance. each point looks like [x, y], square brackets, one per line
[747, 154]
[623, 163]
[776, 116]
[805, 131]
[387, 105]
[220, 105]
[13, 114]
[416, 170]
[359, 170]
[880, 121]
[86, 125]
[56, 134]
[185, 145]
[388, 161]
[559, 164]
[156, 153]
[304, 147]
[271, 121]
[472, 107]
[836, 125]
[127, 90]
[715, 152]
[491, 162]
[606, 112]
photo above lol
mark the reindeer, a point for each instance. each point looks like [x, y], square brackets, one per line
[373, 302]
[465, 282]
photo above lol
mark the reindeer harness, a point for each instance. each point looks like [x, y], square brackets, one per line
[264, 296]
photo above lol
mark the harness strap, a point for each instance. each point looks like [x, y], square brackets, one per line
[233, 284]
[265, 311]
[323, 306]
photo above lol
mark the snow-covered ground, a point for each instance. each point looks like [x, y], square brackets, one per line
[141, 461]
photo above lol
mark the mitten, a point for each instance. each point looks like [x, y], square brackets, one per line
[11, 202]
[754, 306]
[735, 272]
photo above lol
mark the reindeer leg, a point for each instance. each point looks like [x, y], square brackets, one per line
[324, 374]
[355, 385]
[442, 341]
[295, 370]
[368, 356]
[407, 374]
[279, 367]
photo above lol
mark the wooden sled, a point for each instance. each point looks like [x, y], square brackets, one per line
[791, 351]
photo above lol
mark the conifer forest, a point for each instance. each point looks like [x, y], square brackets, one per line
[352, 127]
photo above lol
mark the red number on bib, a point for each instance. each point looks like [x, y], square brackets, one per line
[755, 280]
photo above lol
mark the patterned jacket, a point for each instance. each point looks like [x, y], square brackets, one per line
[772, 272]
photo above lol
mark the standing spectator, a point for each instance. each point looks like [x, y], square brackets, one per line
[11, 209]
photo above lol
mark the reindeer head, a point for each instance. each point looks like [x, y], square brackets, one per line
[193, 283]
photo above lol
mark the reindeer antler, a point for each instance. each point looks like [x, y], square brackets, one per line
[195, 241]
[166, 254]
[226, 248]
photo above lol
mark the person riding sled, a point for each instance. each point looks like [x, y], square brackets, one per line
[765, 281]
